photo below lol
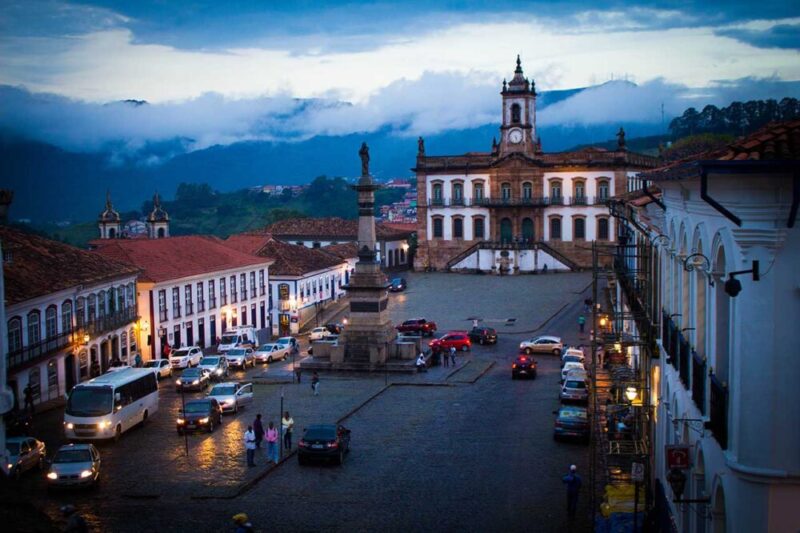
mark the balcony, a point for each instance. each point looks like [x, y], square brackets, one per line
[719, 411]
[39, 350]
[683, 360]
[699, 382]
[107, 323]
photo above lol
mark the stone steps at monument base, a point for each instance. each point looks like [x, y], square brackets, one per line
[359, 366]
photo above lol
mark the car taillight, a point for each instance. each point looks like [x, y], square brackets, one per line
[302, 443]
[558, 423]
[514, 365]
[333, 444]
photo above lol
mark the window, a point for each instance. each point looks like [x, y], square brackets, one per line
[187, 297]
[579, 228]
[244, 316]
[80, 312]
[253, 284]
[130, 296]
[437, 194]
[602, 229]
[212, 297]
[15, 335]
[83, 364]
[201, 304]
[243, 285]
[438, 228]
[51, 322]
[458, 194]
[101, 304]
[261, 287]
[34, 328]
[132, 341]
[458, 228]
[602, 189]
[223, 297]
[478, 228]
[120, 299]
[162, 305]
[316, 244]
[527, 190]
[123, 344]
[52, 378]
[515, 113]
[92, 304]
[505, 190]
[66, 316]
[234, 299]
[477, 192]
[35, 381]
[555, 192]
[176, 302]
[580, 192]
[555, 228]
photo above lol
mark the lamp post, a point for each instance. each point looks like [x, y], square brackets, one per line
[281, 416]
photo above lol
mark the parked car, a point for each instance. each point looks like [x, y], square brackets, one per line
[571, 422]
[319, 333]
[335, 328]
[453, 339]
[205, 414]
[523, 366]
[240, 358]
[161, 367]
[232, 395]
[215, 365]
[572, 358]
[397, 284]
[323, 441]
[268, 353]
[74, 465]
[24, 453]
[420, 326]
[18, 423]
[186, 357]
[291, 344]
[569, 367]
[483, 335]
[192, 379]
[543, 344]
[574, 390]
[238, 337]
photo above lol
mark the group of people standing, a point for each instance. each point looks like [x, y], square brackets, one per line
[256, 434]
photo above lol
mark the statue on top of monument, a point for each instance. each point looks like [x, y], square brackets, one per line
[420, 147]
[621, 138]
[364, 154]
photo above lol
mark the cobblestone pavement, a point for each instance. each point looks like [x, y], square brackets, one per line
[450, 449]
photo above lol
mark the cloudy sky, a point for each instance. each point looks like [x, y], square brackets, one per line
[218, 72]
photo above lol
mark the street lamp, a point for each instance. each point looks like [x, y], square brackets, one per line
[631, 393]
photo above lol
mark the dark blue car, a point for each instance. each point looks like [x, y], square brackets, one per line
[572, 422]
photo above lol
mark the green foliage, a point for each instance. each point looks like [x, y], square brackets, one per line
[695, 144]
[736, 119]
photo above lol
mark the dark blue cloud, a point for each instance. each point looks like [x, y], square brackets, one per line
[780, 36]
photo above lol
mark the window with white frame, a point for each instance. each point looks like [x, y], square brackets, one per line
[34, 328]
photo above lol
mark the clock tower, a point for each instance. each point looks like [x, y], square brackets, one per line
[518, 131]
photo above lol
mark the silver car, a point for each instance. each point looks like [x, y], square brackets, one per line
[240, 358]
[575, 390]
[543, 344]
[25, 453]
[74, 465]
[161, 367]
[268, 353]
[232, 395]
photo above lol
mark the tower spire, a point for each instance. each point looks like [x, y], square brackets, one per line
[519, 66]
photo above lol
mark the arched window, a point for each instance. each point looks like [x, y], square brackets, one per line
[92, 306]
[505, 190]
[579, 228]
[123, 346]
[602, 229]
[35, 381]
[34, 328]
[437, 194]
[101, 304]
[52, 378]
[478, 228]
[602, 190]
[15, 334]
[80, 312]
[527, 229]
[51, 322]
[402, 258]
[527, 190]
[66, 316]
[555, 228]
[132, 341]
[477, 192]
[83, 364]
[579, 192]
[458, 193]
[458, 228]
[112, 233]
[556, 197]
[515, 113]
[161, 233]
[438, 227]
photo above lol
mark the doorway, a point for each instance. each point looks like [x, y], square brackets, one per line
[506, 233]
[527, 230]
[69, 371]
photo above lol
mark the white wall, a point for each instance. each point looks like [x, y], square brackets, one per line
[467, 213]
[524, 260]
[302, 295]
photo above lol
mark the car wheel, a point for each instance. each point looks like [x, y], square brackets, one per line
[557, 352]
[528, 351]
[235, 408]
[144, 418]
[269, 360]
[117, 433]
[211, 426]
[464, 348]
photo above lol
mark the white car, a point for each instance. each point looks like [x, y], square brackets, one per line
[186, 357]
[215, 365]
[232, 395]
[25, 453]
[543, 344]
[240, 358]
[161, 367]
[291, 344]
[268, 353]
[569, 367]
[317, 334]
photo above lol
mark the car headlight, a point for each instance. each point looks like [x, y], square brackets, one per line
[178, 382]
[196, 382]
[85, 474]
[10, 466]
[104, 424]
[69, 425]
[203, 420]
[181, 421]
[52, 475]
[219, 371]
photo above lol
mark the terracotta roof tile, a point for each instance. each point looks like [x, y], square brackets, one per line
[289, 259]
[345, 250]
[176, 257]
[326, 229]
[39, 266]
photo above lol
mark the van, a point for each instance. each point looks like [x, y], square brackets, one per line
[239, 337]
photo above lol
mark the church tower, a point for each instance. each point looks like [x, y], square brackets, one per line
[518, 131]
[109, 221]
[157, 220]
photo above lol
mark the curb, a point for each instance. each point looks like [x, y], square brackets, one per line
[491, 365]
[451, 374]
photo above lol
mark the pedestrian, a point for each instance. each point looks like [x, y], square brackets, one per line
[315, 383]
[573, 482]
[544, 269]
[250, 445]
[445, 358]
[272, 442]
[166, 350]
[137, 360]
[28, 392]
[298, 371]
[581, 322]
[453, 356]
[258, 429]
[242, 523]
[421, 366]
[287, 425]
[75, 522]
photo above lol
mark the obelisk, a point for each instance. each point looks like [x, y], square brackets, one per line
[369, 336]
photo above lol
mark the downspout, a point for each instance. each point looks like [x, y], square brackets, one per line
[657, 201]
[716, 205]
[795, 200]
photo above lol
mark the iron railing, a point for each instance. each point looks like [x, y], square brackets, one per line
[699, 381]
[683, 360]
[718, 411]
[532, 201]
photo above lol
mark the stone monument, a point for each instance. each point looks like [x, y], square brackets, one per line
[368, 340]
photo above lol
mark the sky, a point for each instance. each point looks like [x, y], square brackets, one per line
[219, 72]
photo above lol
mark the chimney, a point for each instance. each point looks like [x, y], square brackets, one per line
[6, 196]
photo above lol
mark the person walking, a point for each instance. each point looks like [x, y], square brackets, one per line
[250, 445]
[453, 356]
[315, 383]
[258, 429]
[445, 358]
[137, 361]
[581, 322]
[573, 483]
[28, 392]
[287, 425]
[272, 442]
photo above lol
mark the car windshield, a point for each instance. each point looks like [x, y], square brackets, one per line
[320, 433]
[196, 407]
[180, 353]
[89, 401]
[576, 385]
[411, 322]
[577, 414]
[228, 339]
[572, 359]
[223, 390]
[213, 361]
[13, 448]
[267, 348]
[237, 351]
[73, 456]
[151, 364]
[285, 340]
[191, 373]
[397, 281]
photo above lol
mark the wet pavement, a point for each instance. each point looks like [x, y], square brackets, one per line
[450, 449]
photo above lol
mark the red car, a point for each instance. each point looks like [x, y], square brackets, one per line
[420, 326]
[455, 339]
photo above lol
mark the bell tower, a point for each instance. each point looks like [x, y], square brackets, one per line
[518, 130]
[109, 221]
[157, 220]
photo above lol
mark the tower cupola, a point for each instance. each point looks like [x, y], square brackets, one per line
[157, 220]
[109, 221]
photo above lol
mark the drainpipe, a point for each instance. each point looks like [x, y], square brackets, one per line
[713, 203]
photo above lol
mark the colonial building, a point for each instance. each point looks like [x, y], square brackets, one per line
[517, 208]
[69, 314]
[724, 248]
[303, 280]
[192, 288]
[393, 244]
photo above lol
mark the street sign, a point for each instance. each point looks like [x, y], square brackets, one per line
[678, 456]
[637, 472]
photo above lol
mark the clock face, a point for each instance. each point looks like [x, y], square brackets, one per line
[515, 136]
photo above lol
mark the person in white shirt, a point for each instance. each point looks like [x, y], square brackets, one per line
[250, 445]
[421, 363]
